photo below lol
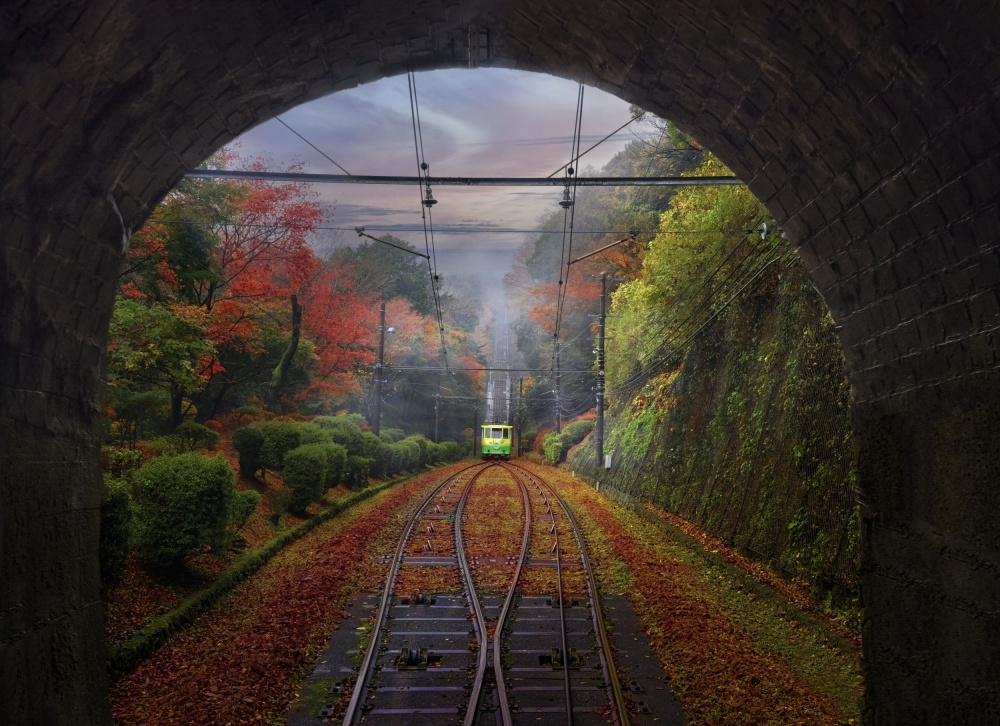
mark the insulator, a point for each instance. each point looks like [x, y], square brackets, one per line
[429, 200]
[566, 202]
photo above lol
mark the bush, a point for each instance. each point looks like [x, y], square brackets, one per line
[392, 436]
[280, 437]
[192, 436]
[116, 530]
[343, 431]
[248, 442]
[574, 433]
[553, 448]
[305, 475]
[411, 451]
[244, 504]
[370, 445]
[120, 463]
[434, 453]
[182, 502]
[421, 442]
[336, 464]
[451, 450]
[357, 472]
[385, 464]
[164, 445]
[311, 433]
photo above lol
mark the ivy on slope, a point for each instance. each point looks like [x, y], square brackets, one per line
[734, 412]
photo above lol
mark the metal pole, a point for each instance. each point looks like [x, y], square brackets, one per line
[510, 402]
[600, 373]
[464, 181]
[437, 405]
[558, 393]
[475, 430]
[379, 370]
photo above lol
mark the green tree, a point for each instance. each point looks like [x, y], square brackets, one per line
[160, 346]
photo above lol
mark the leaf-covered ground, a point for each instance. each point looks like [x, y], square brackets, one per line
[492, 530]
[733, 656]
[239, 662]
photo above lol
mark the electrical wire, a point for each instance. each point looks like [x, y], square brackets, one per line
[425, 208]
[325, 156]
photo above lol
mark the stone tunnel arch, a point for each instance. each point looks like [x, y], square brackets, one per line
[868, 129]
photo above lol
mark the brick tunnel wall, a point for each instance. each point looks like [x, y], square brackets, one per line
[869, 129]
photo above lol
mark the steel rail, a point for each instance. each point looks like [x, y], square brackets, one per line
[480, 621]
[616, 696]
[364, 672]
[505, 714]
[466, 181]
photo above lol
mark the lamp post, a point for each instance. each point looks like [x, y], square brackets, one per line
[379, 369]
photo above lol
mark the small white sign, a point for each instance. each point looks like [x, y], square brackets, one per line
[607, 461]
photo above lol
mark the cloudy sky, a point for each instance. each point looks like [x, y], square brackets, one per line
[485, 122]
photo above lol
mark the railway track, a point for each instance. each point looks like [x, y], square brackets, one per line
[529, 647]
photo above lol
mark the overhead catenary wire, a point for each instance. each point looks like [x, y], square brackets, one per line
[426, 201]
[620, 128]
[325, 156]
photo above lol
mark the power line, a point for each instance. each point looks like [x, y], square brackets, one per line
[426, 202]
[627, 123]
[279, 120]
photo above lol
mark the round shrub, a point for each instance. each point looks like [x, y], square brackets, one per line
[370, 445]
[343, 431]
[392, 436]
[244, 504]
[116, 530]
[120, 462]
[311, 433]
[280, 437]
[421, 442]
[434, 453]
[192, 436]
[248, 442]
[412, 454]
[305, 475]
[357, 472]
[336, 464]
[451, 450]
[574, 433]
[553, 448]
[182, 503]
[385, 463]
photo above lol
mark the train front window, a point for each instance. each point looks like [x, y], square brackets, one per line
[497, 433]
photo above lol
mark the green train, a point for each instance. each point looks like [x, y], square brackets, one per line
[496, 440]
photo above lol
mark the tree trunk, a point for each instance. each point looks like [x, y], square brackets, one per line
[176, 405]
[280, 375]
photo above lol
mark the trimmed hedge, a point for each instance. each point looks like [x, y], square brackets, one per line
[145, 641]
[248, 442]
[305, 475]
[336, 464]
[357, 472]
[116, 529]
[182, 502]
[280, 437]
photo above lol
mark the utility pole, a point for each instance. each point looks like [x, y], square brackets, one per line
[379, 372]
[520, 413]
[437, 406]
[510, 402]
[558, 392]
[475, 429]
[600, 373]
